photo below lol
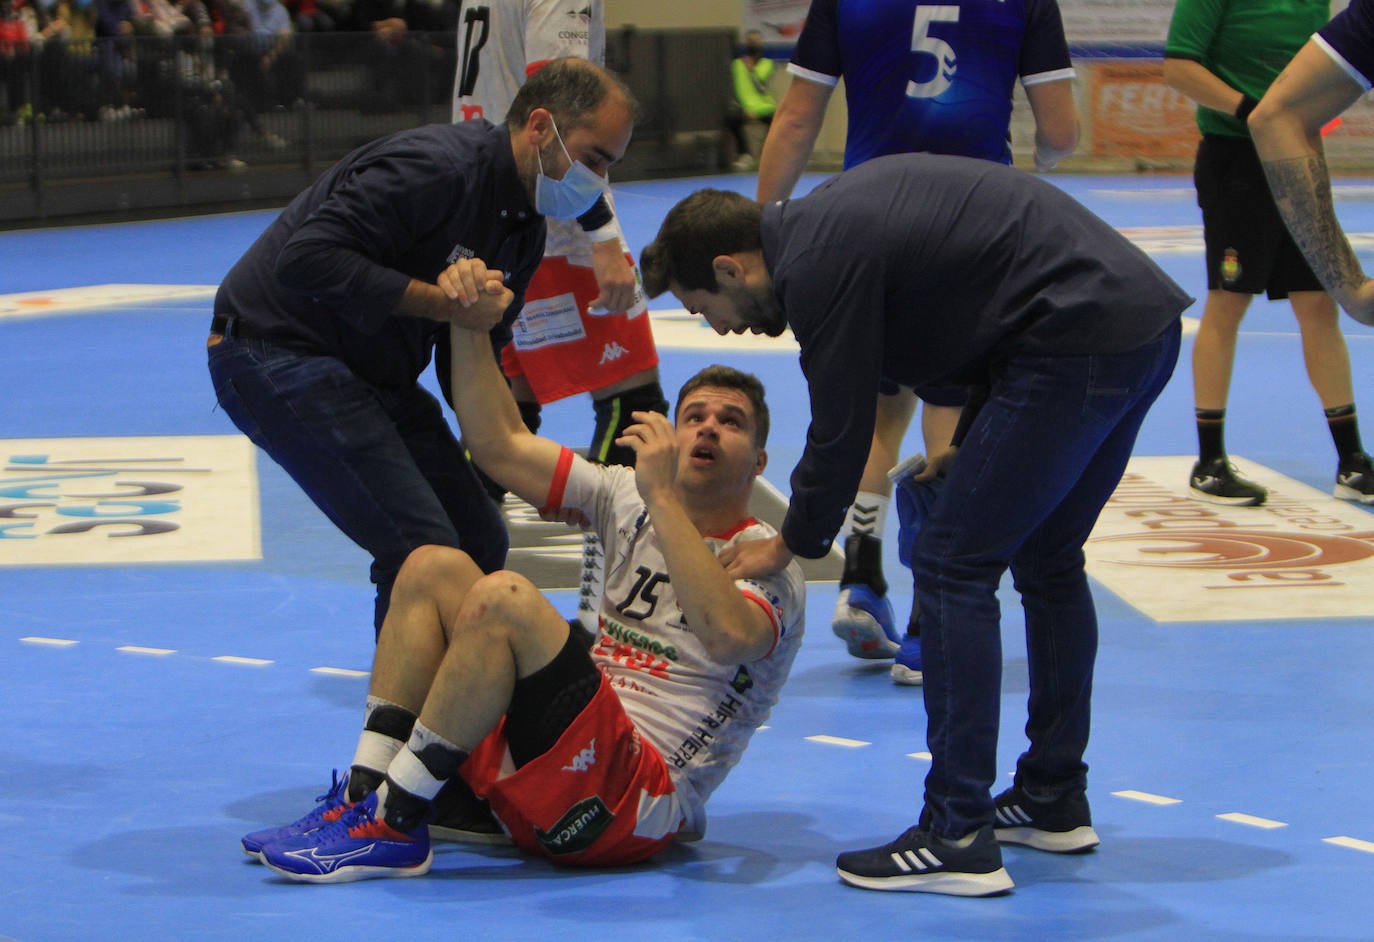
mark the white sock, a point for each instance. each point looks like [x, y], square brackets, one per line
[866, 515]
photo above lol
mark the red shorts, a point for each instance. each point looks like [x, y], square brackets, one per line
[560, 349]
[601, 797]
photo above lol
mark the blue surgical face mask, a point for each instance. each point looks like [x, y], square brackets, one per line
[571, 196]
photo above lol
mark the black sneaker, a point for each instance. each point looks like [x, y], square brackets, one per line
[1355, 481]
[1216, 481]
[1062, 826]
[462, 817]
[919, 862]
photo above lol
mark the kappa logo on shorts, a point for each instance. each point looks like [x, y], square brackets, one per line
[578, 828]
[584, 760]
[612, 351]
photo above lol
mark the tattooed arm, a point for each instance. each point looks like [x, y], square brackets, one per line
[1286, 127]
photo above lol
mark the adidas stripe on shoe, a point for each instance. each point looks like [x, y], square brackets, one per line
[1062, 826]
[919, 862]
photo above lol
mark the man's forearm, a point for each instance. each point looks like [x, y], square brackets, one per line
[1302, 190]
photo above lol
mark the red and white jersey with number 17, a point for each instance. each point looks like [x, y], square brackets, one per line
[502, 42]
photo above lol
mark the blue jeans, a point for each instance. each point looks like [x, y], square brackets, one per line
[1024, 491]
[383, 464]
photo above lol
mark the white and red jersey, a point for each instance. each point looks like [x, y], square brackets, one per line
[699, 713]
[502, 42]
[561, 346]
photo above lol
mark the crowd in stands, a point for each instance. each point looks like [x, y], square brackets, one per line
[222, 63]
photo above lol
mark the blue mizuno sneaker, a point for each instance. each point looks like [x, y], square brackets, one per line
[906, 668]
[331, 805]
[864, 622]
[355, 847]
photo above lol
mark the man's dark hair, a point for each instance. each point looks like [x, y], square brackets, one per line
[572, 89]
[706, 224]
[727, 377]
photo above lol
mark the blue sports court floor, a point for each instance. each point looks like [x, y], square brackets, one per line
[161, 698]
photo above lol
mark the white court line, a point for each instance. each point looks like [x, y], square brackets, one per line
[1251, 820]
[1130, 794]
[1148, 798]
[838, 741]
[1351, 842]
[338, 671]
[247, 661]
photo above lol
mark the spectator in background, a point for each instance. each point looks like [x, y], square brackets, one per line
[259, 46]
[753, 102]
[279, 74]
[209, 98]
[390, 56]
[18, 28]
[308, 16]
[116, 22]
[70, 71]
[949, 93]
[1224, 57]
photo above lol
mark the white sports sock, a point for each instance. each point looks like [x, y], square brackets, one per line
[866, 515]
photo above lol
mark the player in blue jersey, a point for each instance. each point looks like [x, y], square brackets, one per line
[931, 78]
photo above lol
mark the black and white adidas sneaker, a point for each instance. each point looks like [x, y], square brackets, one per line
[920, 862]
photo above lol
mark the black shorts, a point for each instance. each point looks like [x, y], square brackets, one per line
[1249, 249]
[935, 395]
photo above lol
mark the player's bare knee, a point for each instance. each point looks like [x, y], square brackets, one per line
[429, 566]
[499, 602]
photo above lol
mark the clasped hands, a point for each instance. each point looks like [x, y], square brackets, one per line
[479, 294]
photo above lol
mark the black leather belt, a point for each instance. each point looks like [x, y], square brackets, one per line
[234, 326]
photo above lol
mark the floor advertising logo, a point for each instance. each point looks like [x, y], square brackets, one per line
[96, 298]
[1302, 554]
[123, 501]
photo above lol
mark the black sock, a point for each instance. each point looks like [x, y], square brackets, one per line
[1345, 433]
[863, 562]
[1211, 426]
[416, 775]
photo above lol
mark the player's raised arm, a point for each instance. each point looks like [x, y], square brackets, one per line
[500, 444]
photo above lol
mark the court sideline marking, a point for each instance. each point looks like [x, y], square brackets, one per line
[1234, 817]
